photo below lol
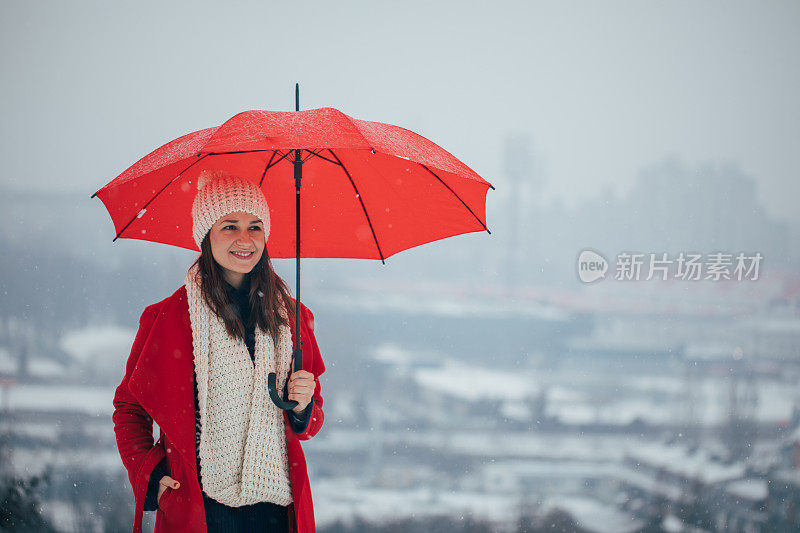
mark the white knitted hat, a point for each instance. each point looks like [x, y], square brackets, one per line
[218, 194]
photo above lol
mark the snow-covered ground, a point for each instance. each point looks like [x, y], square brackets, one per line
[92, 344]
[93, 400]
[595, 516]
[344, 499]
[751, 490]
[471, 382]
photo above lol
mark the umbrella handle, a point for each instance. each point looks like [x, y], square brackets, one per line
[272, 385]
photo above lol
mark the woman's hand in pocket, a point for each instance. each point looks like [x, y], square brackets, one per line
[165, 482]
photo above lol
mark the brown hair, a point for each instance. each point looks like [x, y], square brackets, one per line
[267, 291]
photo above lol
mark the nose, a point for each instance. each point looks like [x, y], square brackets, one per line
[244, 238]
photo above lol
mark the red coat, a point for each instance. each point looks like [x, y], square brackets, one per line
[158, 383]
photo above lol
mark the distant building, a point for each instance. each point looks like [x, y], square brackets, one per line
[658, 480]
[783, 500]
[741, 506]
[774, 338]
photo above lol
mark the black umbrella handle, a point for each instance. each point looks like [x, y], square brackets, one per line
[272, 384]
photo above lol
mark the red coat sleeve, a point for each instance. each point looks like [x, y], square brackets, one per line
[134, 427]
[311, 353]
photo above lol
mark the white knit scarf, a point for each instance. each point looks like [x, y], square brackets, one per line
[243, 457]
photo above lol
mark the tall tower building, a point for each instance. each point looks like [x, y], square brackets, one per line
[518, 169]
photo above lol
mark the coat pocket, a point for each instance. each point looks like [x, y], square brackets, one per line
[163, 502]
[175, 472]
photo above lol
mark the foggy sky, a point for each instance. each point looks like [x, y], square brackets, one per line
[602, 88]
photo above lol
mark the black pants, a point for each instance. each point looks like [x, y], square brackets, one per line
[264, 517]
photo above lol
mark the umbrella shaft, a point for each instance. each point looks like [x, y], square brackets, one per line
[298, 178]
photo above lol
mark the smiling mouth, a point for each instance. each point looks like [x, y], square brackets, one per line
[241, 255]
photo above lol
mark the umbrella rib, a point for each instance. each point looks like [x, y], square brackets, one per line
[311, 153]
[251, 152]
[320, 156]
[283, 156]
[159, 192]
[363, 208]
[269, 164]
[457, 196]
[234, 152]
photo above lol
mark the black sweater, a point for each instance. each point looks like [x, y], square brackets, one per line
[239, 300]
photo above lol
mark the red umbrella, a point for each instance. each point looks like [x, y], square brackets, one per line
[369, 190]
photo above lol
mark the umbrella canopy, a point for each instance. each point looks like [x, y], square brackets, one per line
[369, 190]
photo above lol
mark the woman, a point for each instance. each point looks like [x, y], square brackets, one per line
[227, 459]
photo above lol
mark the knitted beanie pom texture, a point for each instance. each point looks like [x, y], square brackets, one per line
[220, 193]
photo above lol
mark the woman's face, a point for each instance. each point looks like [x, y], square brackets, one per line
[237, 232]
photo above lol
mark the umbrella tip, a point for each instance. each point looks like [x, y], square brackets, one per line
[93, 195]
[491, 186]
[487, 231]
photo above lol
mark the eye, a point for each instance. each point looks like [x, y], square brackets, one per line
[228, 226]
[256, 227]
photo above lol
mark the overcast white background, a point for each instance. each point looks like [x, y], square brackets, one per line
[602, 88]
